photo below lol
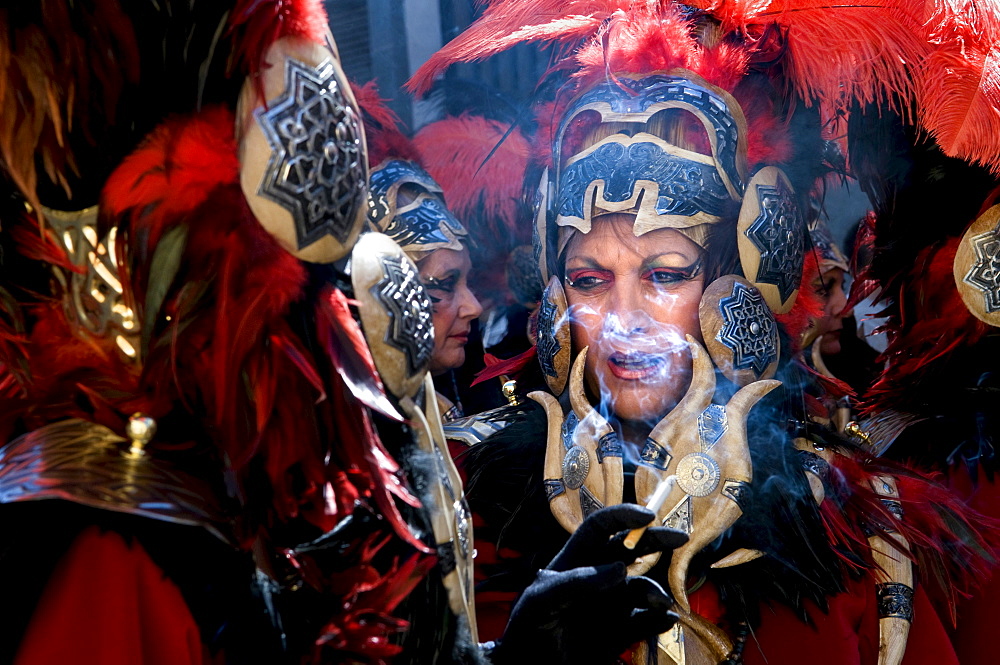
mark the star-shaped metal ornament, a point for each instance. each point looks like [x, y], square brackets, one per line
[748, 329]
[778, 235]
[317, 166]
[406, 301]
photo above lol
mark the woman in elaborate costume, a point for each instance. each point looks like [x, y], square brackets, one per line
[680, 143]
[408, 206]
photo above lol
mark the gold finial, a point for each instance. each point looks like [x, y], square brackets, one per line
[509, 390]
[854, 429]
[140, 431]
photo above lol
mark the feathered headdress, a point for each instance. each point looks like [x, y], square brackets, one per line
[936, 59]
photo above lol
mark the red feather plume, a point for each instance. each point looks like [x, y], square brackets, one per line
[933, 321]
[480, 167]
[222, 334]
[383, 135]
[960, 103]
[256, 24]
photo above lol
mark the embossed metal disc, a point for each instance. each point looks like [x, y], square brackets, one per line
[739, 330]
[575, 466]
[977, 267]
[697, 474]
[303, 161]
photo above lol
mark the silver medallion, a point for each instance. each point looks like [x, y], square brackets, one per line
[406, 301]
[575, 467]
[697, 474]
[748, 329]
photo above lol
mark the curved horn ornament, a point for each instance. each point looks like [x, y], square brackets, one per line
[712, 466]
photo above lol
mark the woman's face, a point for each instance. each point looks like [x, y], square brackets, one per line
[632, 300]
[445, 272]
[830, 287]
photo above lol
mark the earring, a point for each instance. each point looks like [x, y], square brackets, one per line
[771, 235]
[739, 330]
[976, 277]
[554, 340]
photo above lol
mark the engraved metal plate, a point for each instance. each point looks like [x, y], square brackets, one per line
[680, 517]
[684, 187]
[814, 464]
[738, 491]
[895, 600]
[568, 429]
[83, 462]
[589, 503]
[894, 507]
[654, 455]
[748, 329]
[93, 294]
[473, 430]
[316, 170]
[406, 301]
[778, 233]
[575, 467]
[553, 488]
[463, 522]
[984, 274]
[423, 224]
[712, 424]
[697, 474]
[608, 446]
[644, 96]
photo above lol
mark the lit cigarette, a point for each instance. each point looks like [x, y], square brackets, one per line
[654, 504]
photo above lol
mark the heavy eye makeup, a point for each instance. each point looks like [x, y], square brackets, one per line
[666, 275]
[441, 288]
[592, 279]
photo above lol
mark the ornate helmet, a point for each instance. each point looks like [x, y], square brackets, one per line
[404, 201]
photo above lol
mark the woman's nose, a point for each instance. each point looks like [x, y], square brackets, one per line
[628, 312]
[468, 305]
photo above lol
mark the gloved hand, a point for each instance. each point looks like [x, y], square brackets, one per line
[583, 607]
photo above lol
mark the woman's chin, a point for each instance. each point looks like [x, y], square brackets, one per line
[447, 360]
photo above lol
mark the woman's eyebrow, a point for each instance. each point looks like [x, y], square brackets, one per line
[588, 262]
[653, 258]
[454, 272]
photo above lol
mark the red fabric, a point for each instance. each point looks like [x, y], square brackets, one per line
[107, 603]
[974, 633]
[847, 635]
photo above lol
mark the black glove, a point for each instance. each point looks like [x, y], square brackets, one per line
[583, 608]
